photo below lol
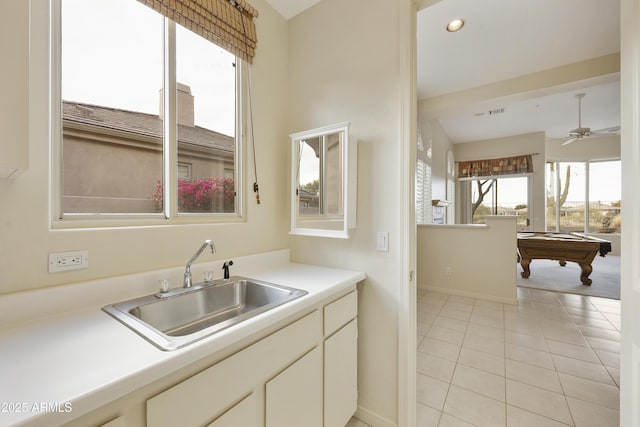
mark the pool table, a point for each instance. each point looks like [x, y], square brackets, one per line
[562, 247]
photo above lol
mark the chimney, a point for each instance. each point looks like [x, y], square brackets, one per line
[184, 102]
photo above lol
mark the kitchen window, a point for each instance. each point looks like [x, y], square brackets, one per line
[140, 99]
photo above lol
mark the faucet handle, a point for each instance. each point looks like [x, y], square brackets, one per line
[164, 285]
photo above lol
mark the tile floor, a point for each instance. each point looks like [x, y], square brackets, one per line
[552, 360]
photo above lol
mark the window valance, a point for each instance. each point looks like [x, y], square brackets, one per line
[227, 23]
[516, 165]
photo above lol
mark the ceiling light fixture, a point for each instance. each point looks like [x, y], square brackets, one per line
[455, 25]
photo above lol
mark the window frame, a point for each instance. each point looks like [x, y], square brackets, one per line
[170, 214]
[586, 229]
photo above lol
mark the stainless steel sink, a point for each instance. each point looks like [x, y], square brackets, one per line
[183, 316]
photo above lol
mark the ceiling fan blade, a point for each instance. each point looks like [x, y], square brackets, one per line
[568, 141]
[613, 130]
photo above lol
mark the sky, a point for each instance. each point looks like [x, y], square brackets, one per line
[112, 56]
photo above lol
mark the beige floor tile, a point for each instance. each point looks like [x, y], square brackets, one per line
[590, 312]
[528, 355]
[435, 367]
[614, 319]
[452, 305]
[517, 417]
[573, 300]
[450, 323]
[450, 421]
[430, 391]
[426, 317]
[566, 336]
[595, 323]
[483, 319]
[480, 310]
[354, 422]
[435, 296]
[586, 414]
[481, 360]
[615, 375]
[475, 408]
[430, 306]
[523, 326]
[426, 416]
[481, 382]
[609, 359]
[446, 334]
[461, 300]
[609, 306]
[607, 334]
[439, 348]
[591, 371]
[573, 351]
[455, 314]
[590, 391]
[604, 344]
[498, 306]
[542, 402]
[433, 307]
[486, 331]
[533, 375]
[524, 340]
[422, 328]
[487, 345]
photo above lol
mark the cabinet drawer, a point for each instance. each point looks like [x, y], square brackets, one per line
[340, 312]
[209, 393]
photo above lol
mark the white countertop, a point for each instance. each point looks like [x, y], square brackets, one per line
[80, 359]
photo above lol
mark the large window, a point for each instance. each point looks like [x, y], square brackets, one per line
[584, 196]
[501, 196]
[148, 115]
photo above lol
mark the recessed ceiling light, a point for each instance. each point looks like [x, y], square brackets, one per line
[455, 25]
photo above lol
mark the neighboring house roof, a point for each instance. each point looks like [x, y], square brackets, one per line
[149, 125]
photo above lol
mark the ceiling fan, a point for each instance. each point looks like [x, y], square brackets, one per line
[580, 132]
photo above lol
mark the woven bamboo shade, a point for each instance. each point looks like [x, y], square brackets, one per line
[227, 23]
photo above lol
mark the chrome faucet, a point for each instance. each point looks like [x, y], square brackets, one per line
[187, 272]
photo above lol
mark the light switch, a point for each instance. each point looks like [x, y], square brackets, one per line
[382, 241]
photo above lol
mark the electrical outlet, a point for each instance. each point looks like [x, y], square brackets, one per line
[448, 271]
[66, 261]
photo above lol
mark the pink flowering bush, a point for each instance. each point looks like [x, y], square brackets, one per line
[210, 195]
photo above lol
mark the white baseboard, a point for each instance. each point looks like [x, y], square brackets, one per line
[373, 419]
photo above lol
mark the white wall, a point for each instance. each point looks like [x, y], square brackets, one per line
[515, 146]
[345, 66]
[470, 260]
[25, 229]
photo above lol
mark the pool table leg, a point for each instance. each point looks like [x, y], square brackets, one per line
[525, 267]
[584, 275]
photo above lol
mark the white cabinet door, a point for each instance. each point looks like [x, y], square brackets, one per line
[244, 413]
[294, 397]
[341, 375]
